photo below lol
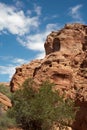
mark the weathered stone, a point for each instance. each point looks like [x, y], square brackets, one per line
[5, 101]
[65, 64]
[22, 73]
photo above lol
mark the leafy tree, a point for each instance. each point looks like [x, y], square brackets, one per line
[39, 110]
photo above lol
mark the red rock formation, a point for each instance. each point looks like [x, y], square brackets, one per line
[5, 101]
[3, 98]
[65, 64]
[22, 73]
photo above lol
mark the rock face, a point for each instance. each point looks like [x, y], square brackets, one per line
[5, 101]
[22, 73]
[65, 64]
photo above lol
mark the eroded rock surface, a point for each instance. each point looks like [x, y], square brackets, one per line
[22, 73]
[5, 101]
[65, 64]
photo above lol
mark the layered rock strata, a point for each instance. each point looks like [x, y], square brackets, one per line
[5, 101]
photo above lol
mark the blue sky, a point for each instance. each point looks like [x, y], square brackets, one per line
[25, 24]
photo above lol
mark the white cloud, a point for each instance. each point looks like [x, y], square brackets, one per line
[33, 42]
[4, 58]
[36, 41]
[40, 55]
[19, 4]
[50, 17]
[19, 61]
[50, 27]
[75, 13]
[10, 68]
[12, 60]
[37, 9]
[15, 21]
[7, 70]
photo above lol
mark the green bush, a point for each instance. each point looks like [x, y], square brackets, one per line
[39, 110]
[5, 121]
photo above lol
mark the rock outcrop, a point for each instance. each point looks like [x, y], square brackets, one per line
[22, 73]
[5, 101]
[65, 64]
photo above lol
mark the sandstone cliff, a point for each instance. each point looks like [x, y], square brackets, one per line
[65, 64]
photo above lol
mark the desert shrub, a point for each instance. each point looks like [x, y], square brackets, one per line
[5, 121]
[39, 110]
